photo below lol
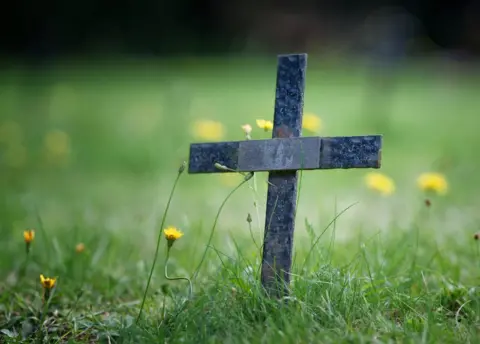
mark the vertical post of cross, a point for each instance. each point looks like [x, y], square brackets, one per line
[282, 189]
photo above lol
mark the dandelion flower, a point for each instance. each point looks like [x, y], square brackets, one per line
[433, 182]
[247, 129]
[80, 247]
[57, 143]
[172, 234]
[208, 130]
[311, 122]
[381, 183]
[57, 147]
[29, 235]
[47, 283]
[265, 125]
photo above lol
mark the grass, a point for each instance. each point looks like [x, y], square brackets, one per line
[366, 268]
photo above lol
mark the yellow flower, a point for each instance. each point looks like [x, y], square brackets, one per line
[247, 129]
[57, 142]
[29, 235]
[435, 182]
[80, 247]
[231, 179]
[208, 130]
[380, 182]
[311, 122]
[57, 146]
[171, 234]
[265, 125]
[47, 283]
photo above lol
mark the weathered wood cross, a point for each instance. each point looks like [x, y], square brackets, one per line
[282, 156]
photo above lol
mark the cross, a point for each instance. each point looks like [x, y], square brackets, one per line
[282, 156]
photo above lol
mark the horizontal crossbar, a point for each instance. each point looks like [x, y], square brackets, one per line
[287, 154]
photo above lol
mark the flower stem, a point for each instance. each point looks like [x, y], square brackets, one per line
[158, 245]
[46, 302]
[252, 236]
[247, 178]
[255, 193]
[24, 266]
[176, 278]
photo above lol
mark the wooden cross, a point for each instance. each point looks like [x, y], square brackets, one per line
[282, 156]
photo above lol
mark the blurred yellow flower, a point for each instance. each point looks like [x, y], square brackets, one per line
[432, 181]
[265, 125]
[311, 122]
[47, 283]
[29, 235]
[172, 234]
[80, 247]
[231, 179]
[380, 182]
[10, 132]
[208, 130]
[57, 145]
[247, 129]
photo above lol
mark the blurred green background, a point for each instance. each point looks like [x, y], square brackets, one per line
[95, 119]
[100, 143]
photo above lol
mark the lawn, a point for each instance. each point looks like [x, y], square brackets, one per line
[89, 153]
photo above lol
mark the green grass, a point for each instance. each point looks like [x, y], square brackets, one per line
[387, 270]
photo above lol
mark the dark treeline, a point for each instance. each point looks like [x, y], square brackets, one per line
[213, 26]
